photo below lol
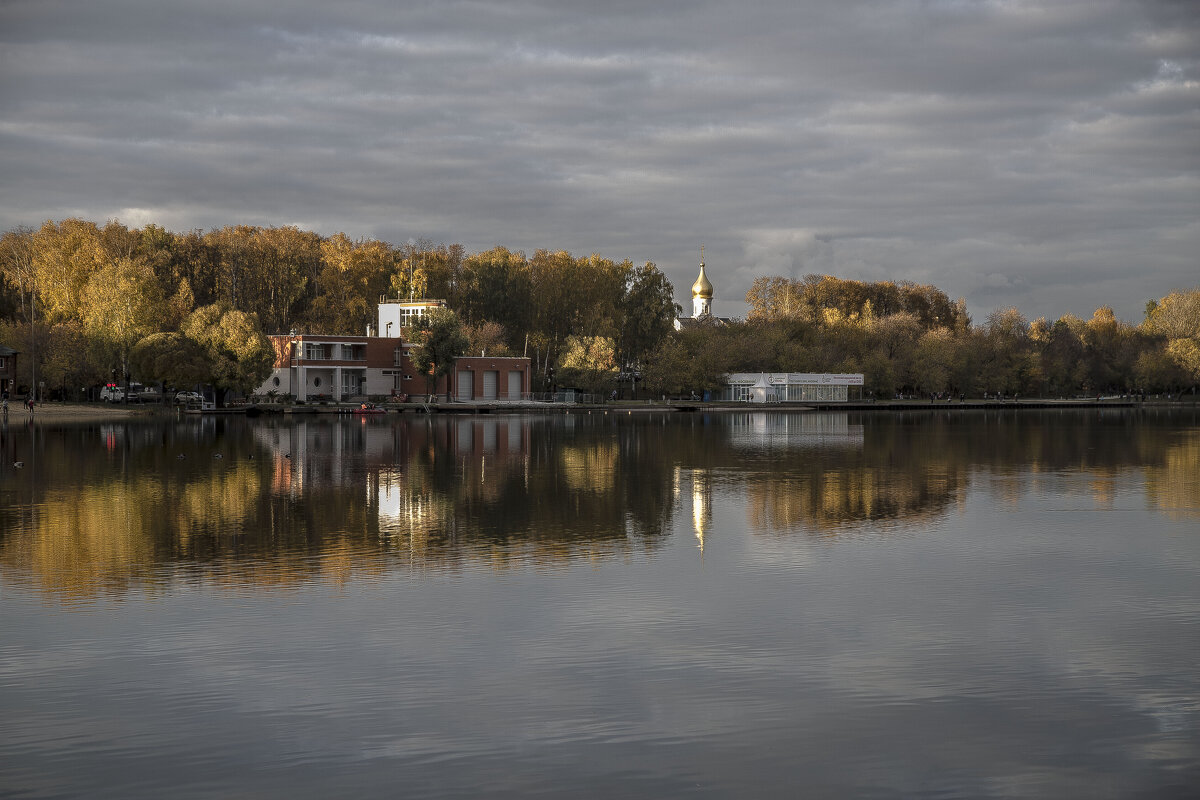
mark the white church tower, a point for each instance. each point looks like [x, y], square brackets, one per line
[702, 292]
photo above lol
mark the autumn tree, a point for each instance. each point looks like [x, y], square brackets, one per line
[487, 338]
[1006, 351]
[495, 286]
[121, 303]
[895, 338]
[236, 354]
[353, 277]
[1061, 353]
[1176, 318]
[65, 255]
[772, 298]
[284, 262]
[588, 362]
[934, 361]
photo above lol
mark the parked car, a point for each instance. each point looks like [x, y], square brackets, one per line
[188, 397]
[112, 394]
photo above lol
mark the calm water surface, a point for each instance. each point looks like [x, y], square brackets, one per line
[974, 604]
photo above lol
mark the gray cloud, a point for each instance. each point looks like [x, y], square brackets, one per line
[1043, 155]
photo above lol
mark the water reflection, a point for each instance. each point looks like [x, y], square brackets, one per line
[99, 509]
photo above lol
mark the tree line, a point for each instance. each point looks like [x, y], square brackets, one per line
[912, 339]
[83, 302]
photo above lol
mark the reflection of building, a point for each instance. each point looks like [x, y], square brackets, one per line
[320, 452]
[325, 367]
[823, 430]
[792, 387]
[701, 504]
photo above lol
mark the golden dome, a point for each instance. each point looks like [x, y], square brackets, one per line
[702, 287]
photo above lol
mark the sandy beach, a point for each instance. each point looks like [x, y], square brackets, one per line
[76, 412]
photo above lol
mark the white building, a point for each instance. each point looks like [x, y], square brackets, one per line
[396, 314]
[791, 387]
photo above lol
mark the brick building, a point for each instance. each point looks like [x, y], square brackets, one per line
[325, 367]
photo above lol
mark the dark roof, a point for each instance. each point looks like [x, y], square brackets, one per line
[7, 351]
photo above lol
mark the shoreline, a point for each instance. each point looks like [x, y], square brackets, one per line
[54, 411]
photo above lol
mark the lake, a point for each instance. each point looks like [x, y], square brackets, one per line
[732, 604]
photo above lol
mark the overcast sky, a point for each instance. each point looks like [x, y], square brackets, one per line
[1038, 154]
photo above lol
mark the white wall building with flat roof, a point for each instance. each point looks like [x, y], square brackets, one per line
[792, 387]
[397, 314]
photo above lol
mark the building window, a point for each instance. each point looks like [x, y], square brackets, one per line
[317, 382]
[275, 380]
[397, 355]
[354, 352]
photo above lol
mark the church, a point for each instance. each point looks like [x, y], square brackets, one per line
[702, 297]
[763, 387]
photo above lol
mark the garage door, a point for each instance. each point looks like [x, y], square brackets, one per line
[466, 384]
[491, 384]
[514, 385]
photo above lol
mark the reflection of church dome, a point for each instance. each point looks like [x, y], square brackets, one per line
[701, 505]
[702, 287]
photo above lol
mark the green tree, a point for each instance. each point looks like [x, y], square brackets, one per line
[648, 313]
[669, 368]
[441, 339]
[170, 358]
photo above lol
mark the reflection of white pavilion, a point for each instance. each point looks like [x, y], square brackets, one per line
[813, 429]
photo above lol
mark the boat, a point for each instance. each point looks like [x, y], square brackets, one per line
[368, 409]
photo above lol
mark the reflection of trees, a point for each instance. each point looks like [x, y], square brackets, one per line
[534, 488]
[910, 467]
[285, 503]
[1173, 485]
[99, 509]
[833, 474]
